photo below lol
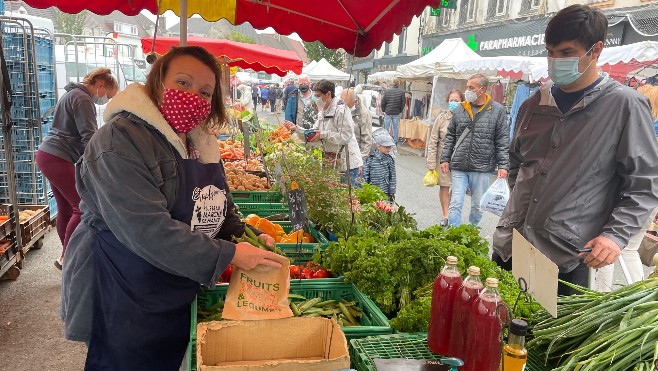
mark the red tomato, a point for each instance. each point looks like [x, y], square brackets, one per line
[307, 273]
[322, 273]
[295, 271]
[226, 276]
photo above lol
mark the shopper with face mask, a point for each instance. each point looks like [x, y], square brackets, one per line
[583, 159]
[74, 123]
[301, 110]
[435, 148]
[476, 146]
[158, 218]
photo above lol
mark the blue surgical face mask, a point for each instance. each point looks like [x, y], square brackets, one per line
[452, 106]
[564, 71]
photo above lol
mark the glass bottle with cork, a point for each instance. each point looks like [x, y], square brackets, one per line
[483, 345]
[443, 298]
[464, 298]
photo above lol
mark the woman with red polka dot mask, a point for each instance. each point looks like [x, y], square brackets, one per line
[157, 218]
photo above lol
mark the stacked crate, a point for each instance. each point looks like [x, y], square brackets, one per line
[30, 61]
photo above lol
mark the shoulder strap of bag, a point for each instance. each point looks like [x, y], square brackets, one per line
[468, 129]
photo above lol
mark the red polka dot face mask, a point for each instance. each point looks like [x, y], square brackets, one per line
[183, 111]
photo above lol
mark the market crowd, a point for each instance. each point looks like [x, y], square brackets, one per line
[581, 165]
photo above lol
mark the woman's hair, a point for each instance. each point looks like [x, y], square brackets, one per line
[325, 86]
[461, 95]
[103, 74]
[651, 92]
[217, 118]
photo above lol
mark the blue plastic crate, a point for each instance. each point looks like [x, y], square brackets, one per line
[53, 207]
[45, 51]
[46, 79]
[17, 80]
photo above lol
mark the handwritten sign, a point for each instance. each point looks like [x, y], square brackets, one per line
[298, 209]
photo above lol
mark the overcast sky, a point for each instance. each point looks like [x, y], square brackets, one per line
[173, 19]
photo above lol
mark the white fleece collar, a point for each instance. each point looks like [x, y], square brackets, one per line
[135, 100]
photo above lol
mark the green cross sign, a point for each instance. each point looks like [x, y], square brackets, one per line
[472, 44]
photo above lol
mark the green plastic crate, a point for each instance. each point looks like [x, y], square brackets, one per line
[374, 322]
[262, 209]
[302, 253]
[247, 197]
[405, 345]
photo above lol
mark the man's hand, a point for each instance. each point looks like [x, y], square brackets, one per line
[604, 252]
[502, 173]
[445, 167]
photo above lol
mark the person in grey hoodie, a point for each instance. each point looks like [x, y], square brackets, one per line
[73, 125]
[583, 159]
[157, 218]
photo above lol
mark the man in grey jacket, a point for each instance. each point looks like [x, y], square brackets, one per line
[583, 159]
[477, 144]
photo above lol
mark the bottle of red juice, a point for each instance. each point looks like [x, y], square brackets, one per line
[443, 297]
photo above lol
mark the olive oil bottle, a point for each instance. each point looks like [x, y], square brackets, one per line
[515, 354]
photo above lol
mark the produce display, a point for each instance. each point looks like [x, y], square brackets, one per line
[25, 215]
[240, 180]
[310, 270]
[230, 149]
[346, 313]
[276, 231]
[396, 268]
[250, 165]
[601, 331]
[280, 135]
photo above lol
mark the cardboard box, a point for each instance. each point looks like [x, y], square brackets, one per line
[290, 344]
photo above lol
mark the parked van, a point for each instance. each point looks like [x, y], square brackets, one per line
[371, 95]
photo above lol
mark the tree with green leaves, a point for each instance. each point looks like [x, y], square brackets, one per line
[315, 50]
[72, 24]
[240, 37]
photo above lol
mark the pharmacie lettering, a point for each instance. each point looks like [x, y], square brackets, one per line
[247, 304]
[261, 285]
[513, 42]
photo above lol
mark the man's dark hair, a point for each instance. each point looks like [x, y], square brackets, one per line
[324, 86]
[577, 22]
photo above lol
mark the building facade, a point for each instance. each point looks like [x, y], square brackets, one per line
[516, 27]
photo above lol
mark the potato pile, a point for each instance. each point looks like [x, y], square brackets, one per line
[25, 215]
[251, 165]
[239, 180]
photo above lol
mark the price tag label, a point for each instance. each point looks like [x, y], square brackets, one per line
[278, 177]
[298, 209]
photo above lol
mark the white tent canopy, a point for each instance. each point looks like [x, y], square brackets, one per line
[309, 66]
[439, 61]
[383, 76]
[245, 77]
[493, 65]
[324, 70]
[643, 52]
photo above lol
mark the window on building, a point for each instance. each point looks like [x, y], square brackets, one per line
[402, 40]
[467, 11]
[387, 48]
[530, 5]
[445, 17]
[123, 28]
[497, 8]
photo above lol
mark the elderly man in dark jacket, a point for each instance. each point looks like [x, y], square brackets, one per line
[477, 144]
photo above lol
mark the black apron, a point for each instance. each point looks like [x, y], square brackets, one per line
[141, 315]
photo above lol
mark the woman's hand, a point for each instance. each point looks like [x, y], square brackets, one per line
[267, 239]
[249, 257]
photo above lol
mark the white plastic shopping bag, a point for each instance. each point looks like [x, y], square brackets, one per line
[495, 198]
